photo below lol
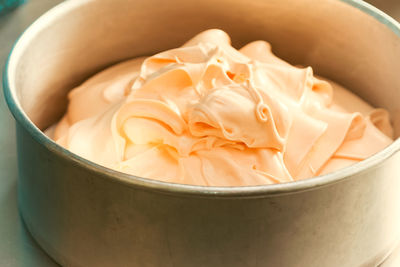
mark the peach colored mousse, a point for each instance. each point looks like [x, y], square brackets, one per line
[208, 114]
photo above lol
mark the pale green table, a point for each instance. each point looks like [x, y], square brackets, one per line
[17, 248]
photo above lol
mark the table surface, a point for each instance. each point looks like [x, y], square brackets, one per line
[17, 248]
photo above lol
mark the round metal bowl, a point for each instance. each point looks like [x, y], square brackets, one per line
[83, 214]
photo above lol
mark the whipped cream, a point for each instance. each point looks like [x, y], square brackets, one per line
[208, 114]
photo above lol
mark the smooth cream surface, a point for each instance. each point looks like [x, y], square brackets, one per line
[208, 114]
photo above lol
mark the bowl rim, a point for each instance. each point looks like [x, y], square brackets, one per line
[175, 188]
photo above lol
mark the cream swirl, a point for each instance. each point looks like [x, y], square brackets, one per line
[208, 114]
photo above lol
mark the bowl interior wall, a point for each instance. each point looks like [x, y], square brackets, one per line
[339, 41]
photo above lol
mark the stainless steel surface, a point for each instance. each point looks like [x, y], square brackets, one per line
[17, 248]
[393, 260]
[391, 7]
[157, 208]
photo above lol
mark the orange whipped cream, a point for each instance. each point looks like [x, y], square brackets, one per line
[208, 114]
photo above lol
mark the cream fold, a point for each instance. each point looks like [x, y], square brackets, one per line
[208, 114]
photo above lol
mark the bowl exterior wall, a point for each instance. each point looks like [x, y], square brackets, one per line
[83, 216]
[83, 219]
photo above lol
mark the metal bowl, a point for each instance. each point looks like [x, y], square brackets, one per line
[84, 214]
